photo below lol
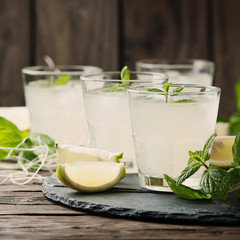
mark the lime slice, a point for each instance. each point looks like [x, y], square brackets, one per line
[91, 176]
[222, 128]
[221, 153]
[72, 153]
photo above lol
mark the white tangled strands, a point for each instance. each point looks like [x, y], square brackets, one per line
[21, 173]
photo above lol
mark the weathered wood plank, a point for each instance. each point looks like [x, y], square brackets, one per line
[14, 49]
[164, 29]
[95, 227]
[78, 32]
[32, 209]
[226, 39]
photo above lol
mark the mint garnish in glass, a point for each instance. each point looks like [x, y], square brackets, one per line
[174, 92]
[125, 81]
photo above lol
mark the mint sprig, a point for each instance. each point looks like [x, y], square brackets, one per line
[125, 81]
[215, 182]
[11, 137]
[62, 80]
[174, 92]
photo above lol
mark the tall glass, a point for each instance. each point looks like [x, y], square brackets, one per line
[55, 102]
[107, 111]
[166, 126]
[192, 71]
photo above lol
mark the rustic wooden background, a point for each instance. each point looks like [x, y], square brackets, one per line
[113, 33]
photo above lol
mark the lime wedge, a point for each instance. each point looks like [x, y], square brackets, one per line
[221, 153]
[72, 153]
[91, 176]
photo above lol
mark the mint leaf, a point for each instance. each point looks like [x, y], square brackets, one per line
[154, 90]
[207, 146]
[235, 174]
[125, 76]
[217, 182]
[62, 80]
[178, 89]
[10, 136]
[114, 89]
[167, 86]
[236, 150]
[184, 191]
[35, 139]
[185, 101]
[189, 171]
[45, 139]
[125, 73]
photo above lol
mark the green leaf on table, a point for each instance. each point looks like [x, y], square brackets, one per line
[62, 80]
[184, 191]
[217, 182]
[35, 139]
[10, 136]
[207, 146]
[236, 150]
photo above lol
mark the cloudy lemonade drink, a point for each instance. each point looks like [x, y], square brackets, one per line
[55, 102]
[108, 115]
[58, 111]
[165, 128]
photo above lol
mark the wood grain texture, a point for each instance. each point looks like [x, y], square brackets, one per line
[78, 32]
[14, 49]
[26, 213]
[226, 51]
[164, 29]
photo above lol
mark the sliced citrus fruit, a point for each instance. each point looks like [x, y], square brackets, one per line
[90, 176]
[221, 153]
[222, 128]
[72, 153]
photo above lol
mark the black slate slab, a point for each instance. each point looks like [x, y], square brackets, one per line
[129, 200]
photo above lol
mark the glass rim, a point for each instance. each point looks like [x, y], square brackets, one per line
[139, 89]
[76, 70]
[156, 63]
[93, 77]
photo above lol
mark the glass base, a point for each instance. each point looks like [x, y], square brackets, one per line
[161, 185]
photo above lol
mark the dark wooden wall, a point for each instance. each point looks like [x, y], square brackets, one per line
[113, 33]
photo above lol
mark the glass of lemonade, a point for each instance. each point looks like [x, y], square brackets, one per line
[166, 126]
[55, 102]
[107, 111]
[192, 71]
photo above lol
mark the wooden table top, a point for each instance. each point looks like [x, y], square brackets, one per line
[25, 213]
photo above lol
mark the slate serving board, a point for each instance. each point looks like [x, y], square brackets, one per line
[129, 200]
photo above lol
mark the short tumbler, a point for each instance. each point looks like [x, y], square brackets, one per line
[166, 126]
[107, 111]
[55, 102]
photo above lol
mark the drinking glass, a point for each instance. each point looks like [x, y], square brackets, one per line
[192, 71]
[107, 111]
[166, 126]
[55, 102]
